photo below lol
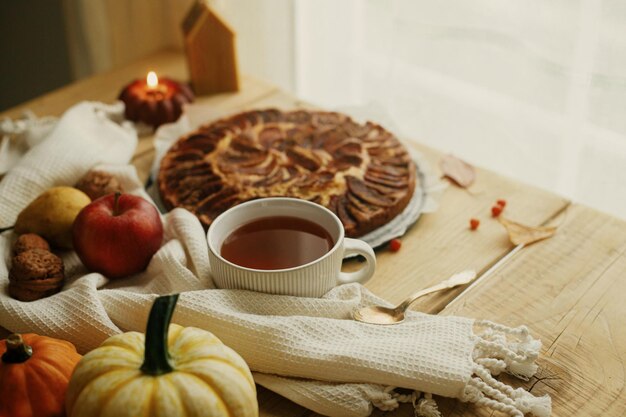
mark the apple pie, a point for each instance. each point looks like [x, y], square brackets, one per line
[360, 171]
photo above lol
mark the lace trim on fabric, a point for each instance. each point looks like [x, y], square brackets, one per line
[497, 349]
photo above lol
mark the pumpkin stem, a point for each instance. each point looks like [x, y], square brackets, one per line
[17, 350]
[156, 356]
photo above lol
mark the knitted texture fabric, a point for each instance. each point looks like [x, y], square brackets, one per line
[85, 136]
[307, 349]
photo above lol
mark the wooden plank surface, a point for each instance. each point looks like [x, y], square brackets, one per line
[570, 291]
[567, 289]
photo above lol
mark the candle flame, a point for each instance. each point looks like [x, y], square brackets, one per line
[152, 79]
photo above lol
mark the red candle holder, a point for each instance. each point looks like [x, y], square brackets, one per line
[155, 101]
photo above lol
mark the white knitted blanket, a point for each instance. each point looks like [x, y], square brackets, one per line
[307, 349]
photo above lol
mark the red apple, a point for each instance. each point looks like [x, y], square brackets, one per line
[117, 234]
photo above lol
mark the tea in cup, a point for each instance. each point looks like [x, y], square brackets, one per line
[283, 246]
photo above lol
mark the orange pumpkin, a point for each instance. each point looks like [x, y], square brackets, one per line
[34, 374]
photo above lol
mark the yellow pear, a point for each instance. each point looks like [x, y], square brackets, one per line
[52, 214]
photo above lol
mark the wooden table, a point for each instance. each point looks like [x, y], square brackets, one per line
[568, 289]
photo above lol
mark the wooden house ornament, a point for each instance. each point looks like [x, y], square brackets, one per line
[210, 50]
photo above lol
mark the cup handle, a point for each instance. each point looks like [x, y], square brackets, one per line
[358, 247]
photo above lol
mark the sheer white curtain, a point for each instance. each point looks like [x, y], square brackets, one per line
[535, 90]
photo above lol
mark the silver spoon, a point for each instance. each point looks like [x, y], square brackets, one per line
[385, 315]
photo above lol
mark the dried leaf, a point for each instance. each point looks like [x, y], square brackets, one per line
[520, 234]
[459, 171]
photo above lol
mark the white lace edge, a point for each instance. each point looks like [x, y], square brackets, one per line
[497, 349]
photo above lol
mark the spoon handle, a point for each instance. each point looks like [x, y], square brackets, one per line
[455, 280]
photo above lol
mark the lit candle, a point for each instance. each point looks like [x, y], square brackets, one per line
[153, 101]
[152, 80]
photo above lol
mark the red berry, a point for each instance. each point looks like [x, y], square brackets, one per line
[501, 203]
[474, 223]
[496, 210]
[395, 245]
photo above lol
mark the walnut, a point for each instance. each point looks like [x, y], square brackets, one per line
[29, 241]
[97, 184]
[35, 274]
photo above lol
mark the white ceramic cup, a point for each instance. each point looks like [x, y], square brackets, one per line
[313, 279]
